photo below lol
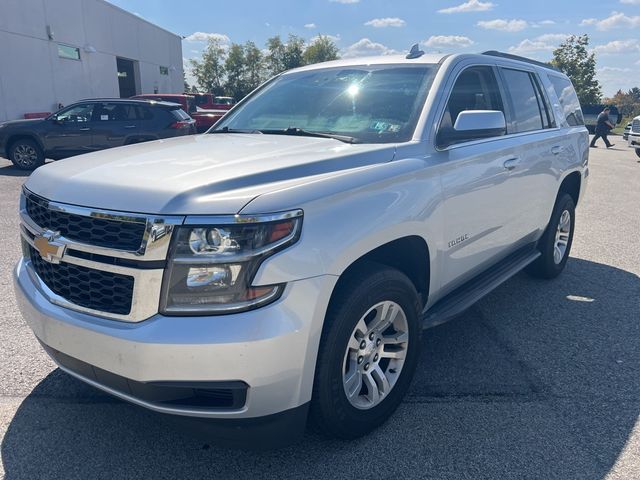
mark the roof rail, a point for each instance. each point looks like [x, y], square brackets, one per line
[495, 53]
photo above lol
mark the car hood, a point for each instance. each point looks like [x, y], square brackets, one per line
[202, 174]
[22, 123]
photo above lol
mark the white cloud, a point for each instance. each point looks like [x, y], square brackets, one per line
[310, 25]
[470, 6]
[543, 43]
[386, 22]
[615, 20]
[546, 22]
[606, 70]
[630, 2]
[205, 37]
[365, 47]
[344, 1]
[619, 46]
[448, 41]
[504, 25]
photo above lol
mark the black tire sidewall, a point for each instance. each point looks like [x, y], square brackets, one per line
[39, 161]
[333, 412]
[548, 267]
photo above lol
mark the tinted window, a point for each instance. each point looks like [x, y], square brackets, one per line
[180, 114]
[76, 114]
[373, 104]
[475, 89]
[116, 112]
[568, 100]
[548, 119]
[526, 108]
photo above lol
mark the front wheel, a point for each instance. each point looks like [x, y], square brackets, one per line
[26, 154]
[368, 352]
[556, 241]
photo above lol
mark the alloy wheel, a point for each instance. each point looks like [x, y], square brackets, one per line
[563, 232]
[375, 355]
[25, 155]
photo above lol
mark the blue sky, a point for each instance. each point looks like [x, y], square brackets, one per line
[364, 27]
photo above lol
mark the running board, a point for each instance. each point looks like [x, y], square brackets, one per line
[466, 295]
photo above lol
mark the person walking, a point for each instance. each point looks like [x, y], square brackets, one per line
[603, 126]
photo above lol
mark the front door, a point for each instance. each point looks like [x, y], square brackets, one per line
[71, 132]
[126, 77]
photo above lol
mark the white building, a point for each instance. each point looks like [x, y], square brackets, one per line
[61, 51]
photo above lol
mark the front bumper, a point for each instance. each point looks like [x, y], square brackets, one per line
[634, 140]
[272, 349]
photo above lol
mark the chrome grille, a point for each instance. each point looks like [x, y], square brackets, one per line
[89, 288]
[111, 263]
[90, 230]
[635, 126]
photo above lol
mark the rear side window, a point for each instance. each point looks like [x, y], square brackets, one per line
[179, 114]
[529, 111]
[568, 100]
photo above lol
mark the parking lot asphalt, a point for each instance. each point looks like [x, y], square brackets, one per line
[541, 379]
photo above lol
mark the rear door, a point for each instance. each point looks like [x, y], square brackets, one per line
[116, 124]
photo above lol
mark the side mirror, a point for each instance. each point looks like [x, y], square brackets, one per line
[481, 123]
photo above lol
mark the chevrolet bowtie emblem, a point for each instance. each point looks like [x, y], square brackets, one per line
[48, 247]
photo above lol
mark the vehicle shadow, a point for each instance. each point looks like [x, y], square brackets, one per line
[7, 169]
[539, 380]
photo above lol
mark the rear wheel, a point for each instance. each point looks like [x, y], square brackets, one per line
[26, 154]
[556, 241]
[638, 152]
[368, 352]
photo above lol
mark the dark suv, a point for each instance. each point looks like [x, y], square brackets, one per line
[88, 126]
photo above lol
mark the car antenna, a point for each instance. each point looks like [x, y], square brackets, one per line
[415, 52]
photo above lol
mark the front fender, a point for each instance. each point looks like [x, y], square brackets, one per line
[351, 214]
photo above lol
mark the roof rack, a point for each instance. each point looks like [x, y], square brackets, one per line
[495, 53]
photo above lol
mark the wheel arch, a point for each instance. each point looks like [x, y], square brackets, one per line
[21, 136]
[571, 185]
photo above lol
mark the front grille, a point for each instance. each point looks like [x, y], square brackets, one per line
[635, 126]
[96, 289]
[120, 235]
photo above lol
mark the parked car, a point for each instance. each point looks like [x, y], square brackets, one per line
[625, 133]
[209, 101]
[634, 135]
[591, 112]
[204, 119]
[88, 126]
[282, 266]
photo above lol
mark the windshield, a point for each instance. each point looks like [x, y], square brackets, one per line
[372, 104]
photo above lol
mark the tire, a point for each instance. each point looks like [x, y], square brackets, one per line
[368, 295]
[26, 154]
[638, 152]
[555, 243]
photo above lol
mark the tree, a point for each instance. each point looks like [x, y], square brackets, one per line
[235, 68]
[573, 58]
[274, 61]
[294, 53]
[210, 72]
[255, 67]
[322, 49]
[628, 102]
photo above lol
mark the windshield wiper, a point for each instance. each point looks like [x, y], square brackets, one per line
[308, 133]
[234, 130]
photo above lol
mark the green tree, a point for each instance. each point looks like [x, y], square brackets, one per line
[235, 68]
[573, 58]
[322, 49]
[255, 66]
[294, 53]
[274, 60]
[628, 102]
[210, 72]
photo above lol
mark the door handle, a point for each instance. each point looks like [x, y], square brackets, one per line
[556, 150]
[511, 163]
[130, 126]
[85, 129]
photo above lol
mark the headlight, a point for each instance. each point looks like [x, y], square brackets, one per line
[211, 267]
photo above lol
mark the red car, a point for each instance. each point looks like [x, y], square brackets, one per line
[205, 119]
[209, 101]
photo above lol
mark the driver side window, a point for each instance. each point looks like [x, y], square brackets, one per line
[76, 114]
[476, 88]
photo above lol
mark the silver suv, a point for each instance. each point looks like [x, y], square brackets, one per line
[283, 265]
